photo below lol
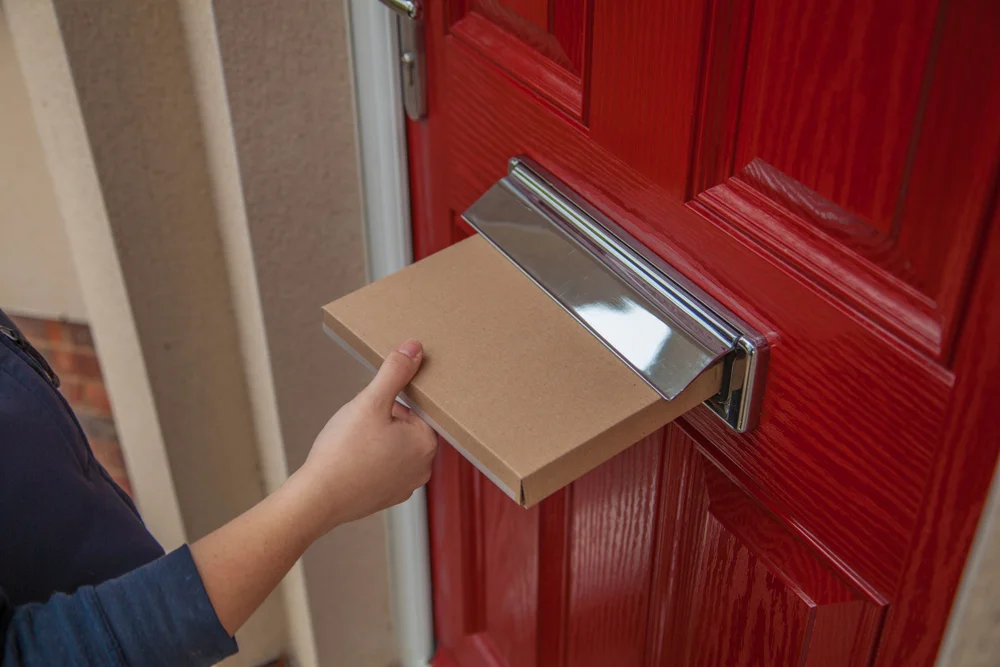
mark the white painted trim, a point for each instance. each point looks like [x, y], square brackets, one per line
[220, 151]
[38, 41]
[381, 138]
[385, 187]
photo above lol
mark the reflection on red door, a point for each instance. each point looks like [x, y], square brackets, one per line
[827, 170]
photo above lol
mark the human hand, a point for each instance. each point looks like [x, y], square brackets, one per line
[374, 452]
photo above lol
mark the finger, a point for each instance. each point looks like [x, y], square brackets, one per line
[396, 372]
[425, 432]
[400, 411]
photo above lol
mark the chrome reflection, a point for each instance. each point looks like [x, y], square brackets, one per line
[530, 232]
[637, 333]
[652, 318]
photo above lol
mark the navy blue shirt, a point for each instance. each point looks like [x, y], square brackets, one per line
[82, 582]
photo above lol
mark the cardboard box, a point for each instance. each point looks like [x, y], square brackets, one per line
[509, 378]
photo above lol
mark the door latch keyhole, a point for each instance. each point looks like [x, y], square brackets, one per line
[412, 60]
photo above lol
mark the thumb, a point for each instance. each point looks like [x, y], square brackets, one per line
[396, 372]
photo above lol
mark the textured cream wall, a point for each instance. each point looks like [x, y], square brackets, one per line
[219, 227]
[136, 94]
[288, 80]
[36, 269]
[136, 106]
[37, 39]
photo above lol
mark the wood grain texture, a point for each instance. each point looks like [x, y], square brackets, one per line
[613, 531]
[454, 543]
[832, 94]
[510, 549]
[964, 471]
[535, 11]
[643, 85]
[527, 65]
[855, 281]
[537, 36]
[570, 25]
[548, 56]
[888, 135]
[740, 588]
[555, 537]
[860, 490]
[727, 35]
[683, 512]
[804, 452]
[736, 587]
[955, 161]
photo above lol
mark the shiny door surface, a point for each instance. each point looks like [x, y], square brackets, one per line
[827, 171]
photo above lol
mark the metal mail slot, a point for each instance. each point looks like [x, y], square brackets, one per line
[657, 322]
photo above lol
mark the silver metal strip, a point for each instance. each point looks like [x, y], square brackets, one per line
[410, 9]
[651, 317]
[413, 65]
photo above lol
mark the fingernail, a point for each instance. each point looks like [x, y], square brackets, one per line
[410, 348]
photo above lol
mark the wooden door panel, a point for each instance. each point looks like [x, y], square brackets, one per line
[739, 587]
[508, 548]
[643, 86]
[832, 86]
[826, 148]
[805, 454]
[608, 589]
[542, 44]
[540, 584]
[534, 11]
[825, 170]
[693, 556]
[830, 143]
[964, 473]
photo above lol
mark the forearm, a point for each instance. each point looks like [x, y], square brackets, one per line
[244, 560]
[371, 455]
[181, 609]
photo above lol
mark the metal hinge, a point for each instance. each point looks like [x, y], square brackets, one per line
[412, 59]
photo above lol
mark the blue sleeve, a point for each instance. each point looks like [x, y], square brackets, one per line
[157, 615]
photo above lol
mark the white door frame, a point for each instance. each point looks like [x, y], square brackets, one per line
[386, 198]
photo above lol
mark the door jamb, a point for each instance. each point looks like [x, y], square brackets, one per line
[384, 169]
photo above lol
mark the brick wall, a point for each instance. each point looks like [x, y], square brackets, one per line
[69, 349]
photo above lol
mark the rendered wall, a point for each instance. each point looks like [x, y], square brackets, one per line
[37, 276]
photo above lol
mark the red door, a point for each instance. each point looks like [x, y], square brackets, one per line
[827, 169]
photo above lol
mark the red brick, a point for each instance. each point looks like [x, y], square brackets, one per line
[86, 365]
[72, 389]
[43, 346]
[32, 328]
[95, 399]
[53, 331]
[79, 335]
[63, 362]
[60, 344]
